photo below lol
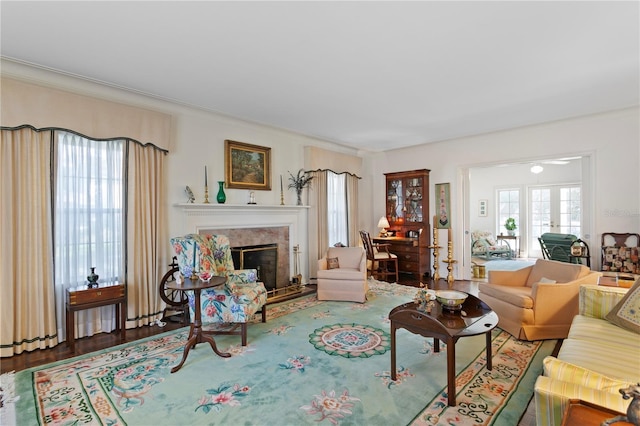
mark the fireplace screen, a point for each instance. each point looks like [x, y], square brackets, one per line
[263, 258]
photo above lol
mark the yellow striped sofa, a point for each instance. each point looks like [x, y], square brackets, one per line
[595, 360]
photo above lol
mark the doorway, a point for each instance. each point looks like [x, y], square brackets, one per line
[563, 184]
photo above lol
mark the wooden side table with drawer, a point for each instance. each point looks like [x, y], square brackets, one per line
[83, 297]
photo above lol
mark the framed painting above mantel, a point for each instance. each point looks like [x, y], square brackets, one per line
[247, 166]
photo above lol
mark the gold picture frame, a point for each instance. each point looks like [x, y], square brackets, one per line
[247, 166]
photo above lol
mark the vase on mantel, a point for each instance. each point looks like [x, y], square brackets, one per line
[299, 194]
[221, 197]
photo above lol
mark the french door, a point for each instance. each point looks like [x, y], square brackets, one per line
[555, 208]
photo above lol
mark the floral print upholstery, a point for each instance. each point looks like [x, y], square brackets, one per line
[241, 296]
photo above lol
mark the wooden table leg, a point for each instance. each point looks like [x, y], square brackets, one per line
[451, 372]
[393, 352]
[71, 335]
[489, 357]
[196, 335]
[123, 318]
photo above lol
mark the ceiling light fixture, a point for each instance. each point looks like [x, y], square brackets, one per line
[536, 168]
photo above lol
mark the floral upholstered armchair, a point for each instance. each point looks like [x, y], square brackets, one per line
[484, 244]
[234, 303]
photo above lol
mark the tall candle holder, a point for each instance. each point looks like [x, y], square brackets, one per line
[206, 194]
[436, 252]
[450, 261]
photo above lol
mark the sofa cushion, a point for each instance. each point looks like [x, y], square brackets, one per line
[341, 274]
[516, 296]
[567, 372]
[626, 313]
[559, 271]
[602, 347]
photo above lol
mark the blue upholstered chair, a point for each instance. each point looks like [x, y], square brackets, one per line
[238, 300]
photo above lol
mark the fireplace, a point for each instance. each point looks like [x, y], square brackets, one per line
[263, 258]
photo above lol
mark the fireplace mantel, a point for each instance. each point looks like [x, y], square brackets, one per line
[244, 208]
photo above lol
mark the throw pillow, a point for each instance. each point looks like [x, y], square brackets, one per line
[547, 281]
[626, 313]
[332, 263]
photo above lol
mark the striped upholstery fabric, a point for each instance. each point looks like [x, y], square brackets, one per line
[552, 397]
[596, 359]
[597, 301]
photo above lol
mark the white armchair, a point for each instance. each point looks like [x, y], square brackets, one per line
[342, 275]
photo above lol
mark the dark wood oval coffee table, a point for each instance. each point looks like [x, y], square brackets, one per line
[474, 318]
[196, 334]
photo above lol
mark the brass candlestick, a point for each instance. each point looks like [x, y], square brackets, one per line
[436, 253]
[206, 194]
[450, 263]
[436, 275]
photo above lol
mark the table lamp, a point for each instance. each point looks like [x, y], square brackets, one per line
[383, 223]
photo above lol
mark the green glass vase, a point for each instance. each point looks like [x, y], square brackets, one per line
[221, 197]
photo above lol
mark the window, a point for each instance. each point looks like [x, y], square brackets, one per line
[337, 223]
[89, 212]
[508, 206]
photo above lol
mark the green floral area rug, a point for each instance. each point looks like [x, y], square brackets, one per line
[311, 363]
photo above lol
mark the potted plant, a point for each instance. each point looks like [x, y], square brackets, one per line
[511, 226]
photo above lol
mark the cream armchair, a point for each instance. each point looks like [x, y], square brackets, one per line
[342, 275]
[537, 302]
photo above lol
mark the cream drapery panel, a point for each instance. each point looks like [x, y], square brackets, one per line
[352, 209]
[318, 216]
[318, 233]
[147, 234]
[26, 245]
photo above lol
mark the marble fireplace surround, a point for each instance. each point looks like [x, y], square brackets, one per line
[253, 225]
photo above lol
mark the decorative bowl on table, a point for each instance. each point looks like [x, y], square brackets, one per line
[205, 276]
[451, 299]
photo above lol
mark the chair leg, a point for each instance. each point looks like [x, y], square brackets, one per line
[244, 333]
[264, 313]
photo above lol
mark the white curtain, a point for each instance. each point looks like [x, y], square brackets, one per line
[337, 225]
[88, 222]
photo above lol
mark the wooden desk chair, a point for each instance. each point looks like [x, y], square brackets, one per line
[379, 258]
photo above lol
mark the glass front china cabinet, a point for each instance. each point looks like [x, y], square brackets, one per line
[407, 198]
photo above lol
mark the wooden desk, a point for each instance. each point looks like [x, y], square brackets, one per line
[83, 297]
[413, 255]
[196, 334]
[582, 413]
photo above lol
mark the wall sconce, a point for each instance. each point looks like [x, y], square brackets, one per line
[383, 224]
[536, 168]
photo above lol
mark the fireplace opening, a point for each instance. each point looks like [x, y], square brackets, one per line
[263, 258]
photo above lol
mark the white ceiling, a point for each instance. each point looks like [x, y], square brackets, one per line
[370, 75]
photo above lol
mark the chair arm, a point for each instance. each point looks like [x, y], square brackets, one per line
[555, 303]
[363, 263]
[517, 278]
[322, 264]
[239, 277]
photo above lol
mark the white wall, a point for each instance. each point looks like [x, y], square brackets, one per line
[611, 139]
